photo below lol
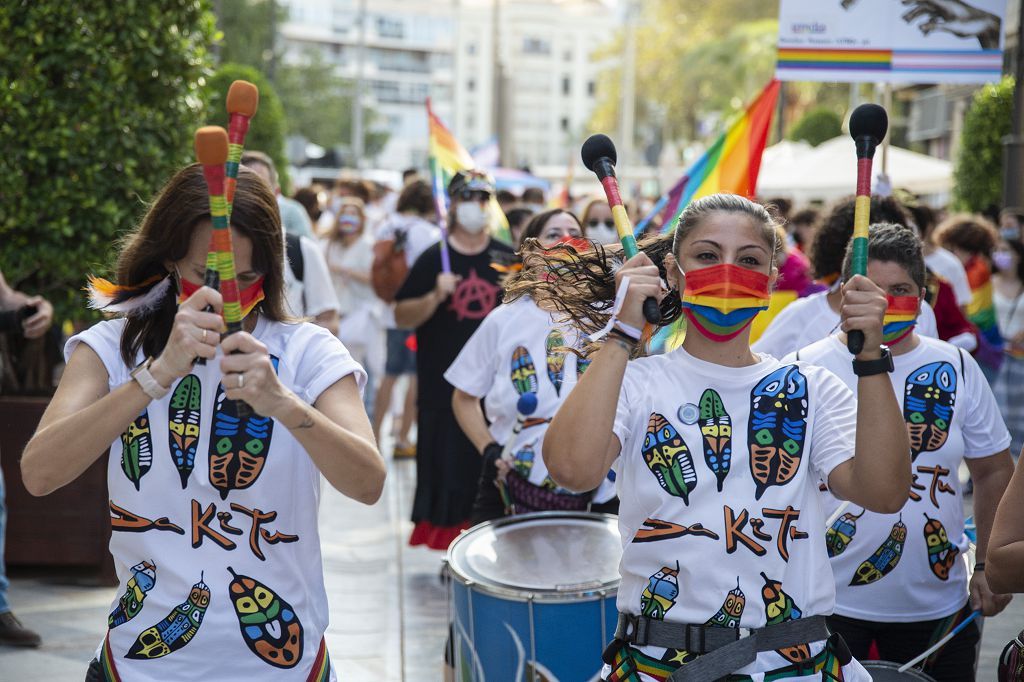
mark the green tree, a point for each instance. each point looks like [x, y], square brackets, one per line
[267, 128]
[817, 126]
[319, 104]
[248, 31]
[978, 176]
[100, 101]
[691, 59]
[696, 59]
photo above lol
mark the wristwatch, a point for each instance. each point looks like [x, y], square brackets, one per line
[866, 368]
[149, 385]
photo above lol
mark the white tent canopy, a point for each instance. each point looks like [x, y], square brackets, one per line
[797, 171]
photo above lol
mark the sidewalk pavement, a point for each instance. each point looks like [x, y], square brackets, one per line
[383, 611]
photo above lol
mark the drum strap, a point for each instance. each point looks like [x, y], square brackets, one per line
[722, 650]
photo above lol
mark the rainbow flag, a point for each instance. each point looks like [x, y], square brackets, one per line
[448, 157]
[981, 310]
[731, 164]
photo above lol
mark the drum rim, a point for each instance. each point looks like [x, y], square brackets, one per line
[597, 592]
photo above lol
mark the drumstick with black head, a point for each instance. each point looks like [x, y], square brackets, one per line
[599, 156]
[868, 125]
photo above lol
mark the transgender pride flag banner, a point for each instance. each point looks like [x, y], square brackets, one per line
[883, 41]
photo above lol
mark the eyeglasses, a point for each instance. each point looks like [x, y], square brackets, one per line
[595, 223]
[473, 195]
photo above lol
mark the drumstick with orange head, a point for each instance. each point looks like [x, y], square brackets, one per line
[243, 100]
[211, 144]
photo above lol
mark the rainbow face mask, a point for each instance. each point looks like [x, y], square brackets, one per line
[722, 300]
[249, 296]
[900, 318]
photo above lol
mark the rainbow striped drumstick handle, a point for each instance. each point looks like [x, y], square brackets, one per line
[619, 216]
[598, 154]
[868, 126]
[211, 143]
[211, 151]
[862, 217]
[242, 102]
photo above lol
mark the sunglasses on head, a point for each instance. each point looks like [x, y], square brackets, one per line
[473, 195]
[595, 223]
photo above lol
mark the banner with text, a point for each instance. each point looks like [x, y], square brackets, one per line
[895, 41]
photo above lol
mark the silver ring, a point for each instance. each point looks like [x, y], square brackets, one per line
[241, 380]
[204, 335]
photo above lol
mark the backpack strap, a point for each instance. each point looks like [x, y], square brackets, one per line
[293, 245]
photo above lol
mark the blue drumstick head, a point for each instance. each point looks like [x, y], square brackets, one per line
[527, 404]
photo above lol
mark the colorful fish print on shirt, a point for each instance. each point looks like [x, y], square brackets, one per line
[238, 446]
[928, 406]
[142, 581]
[777, 428]
[183, 415]
[660, 594]
[716, 430]
[581, 366]
[779, 608]
[885, 558]
[728, 616]
[554, 346]
[524, 374]
[137, 449]
[523, 461]
[177, 629]
[840, 535]
[668, 458]
[942, 553]
[269, 625]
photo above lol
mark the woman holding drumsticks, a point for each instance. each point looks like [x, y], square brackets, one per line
[520, 352]
[214, 514]
[901, 580]
[718, 452]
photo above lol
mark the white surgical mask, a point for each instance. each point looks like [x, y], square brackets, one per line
[603, 233]
[471, 216]
[1003, 260]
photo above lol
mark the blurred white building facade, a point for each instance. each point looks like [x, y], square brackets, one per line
[445, 49]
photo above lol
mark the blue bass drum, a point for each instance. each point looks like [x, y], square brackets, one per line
[533, 597]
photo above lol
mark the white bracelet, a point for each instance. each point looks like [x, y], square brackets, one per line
[629, 330]
[620, 298]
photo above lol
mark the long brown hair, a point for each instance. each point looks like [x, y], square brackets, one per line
[166, 234]
[580, 286]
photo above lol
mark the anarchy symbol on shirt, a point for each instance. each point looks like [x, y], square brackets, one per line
[473, 298]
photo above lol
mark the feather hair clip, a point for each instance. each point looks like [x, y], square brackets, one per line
[136, 301]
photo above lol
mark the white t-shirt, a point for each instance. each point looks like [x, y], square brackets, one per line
[811, 319]
[419, 234]
[315, 294]
[197, 498]
[924, 574]
[493, 361]
[947, 266]
[353, 296]
[1009, 313]
[686, 544]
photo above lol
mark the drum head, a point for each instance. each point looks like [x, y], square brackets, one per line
[545, 556]
[884, 671]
